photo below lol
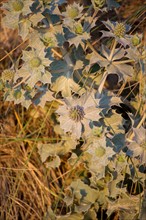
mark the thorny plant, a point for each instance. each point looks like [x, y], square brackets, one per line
[61, 64]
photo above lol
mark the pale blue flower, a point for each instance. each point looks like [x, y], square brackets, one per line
[118, 31]
[76, 113]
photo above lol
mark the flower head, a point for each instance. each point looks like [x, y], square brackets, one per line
[136, 40]
[72, 12]
[76, 114]
[97, 4]
[7, 75]
[49, 39]
[15, 8]
[78, 28]
[34, 68]
[35, 60]
[118, 31]
[18, 6]
[98, 155]
[78, 32]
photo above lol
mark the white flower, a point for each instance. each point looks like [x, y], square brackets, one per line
[15, 8]
[77, 113]
[33, 70]
[100, 154]
[35, 60]
[18, 7]
[72, 12]
[78, 33]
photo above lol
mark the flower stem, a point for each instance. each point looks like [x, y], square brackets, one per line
[113, 49]
[93, 49]
[100, 88]
[23, 80]
[138, 126]
[123, 61]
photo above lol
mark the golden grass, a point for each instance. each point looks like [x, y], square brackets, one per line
[28, 189]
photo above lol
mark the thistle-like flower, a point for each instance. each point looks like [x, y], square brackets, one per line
[35, 60]
[18, 6]
[78, 32]
[15, 8]
[76, 114]
[33, 70]
[72, 13]
[49, 38]
[98, 4]
[99, 155]
[118, 31]
[7, 75]
[18, 96]
[136, 40]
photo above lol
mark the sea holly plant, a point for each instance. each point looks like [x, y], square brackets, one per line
[112, 62]
[98, 155]
[33, 69]
[76, 114]
[137, 146]
[117, 30]
[62, 64]
[15, 9]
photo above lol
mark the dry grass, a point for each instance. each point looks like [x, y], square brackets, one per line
[28, 189]
[24, 184]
